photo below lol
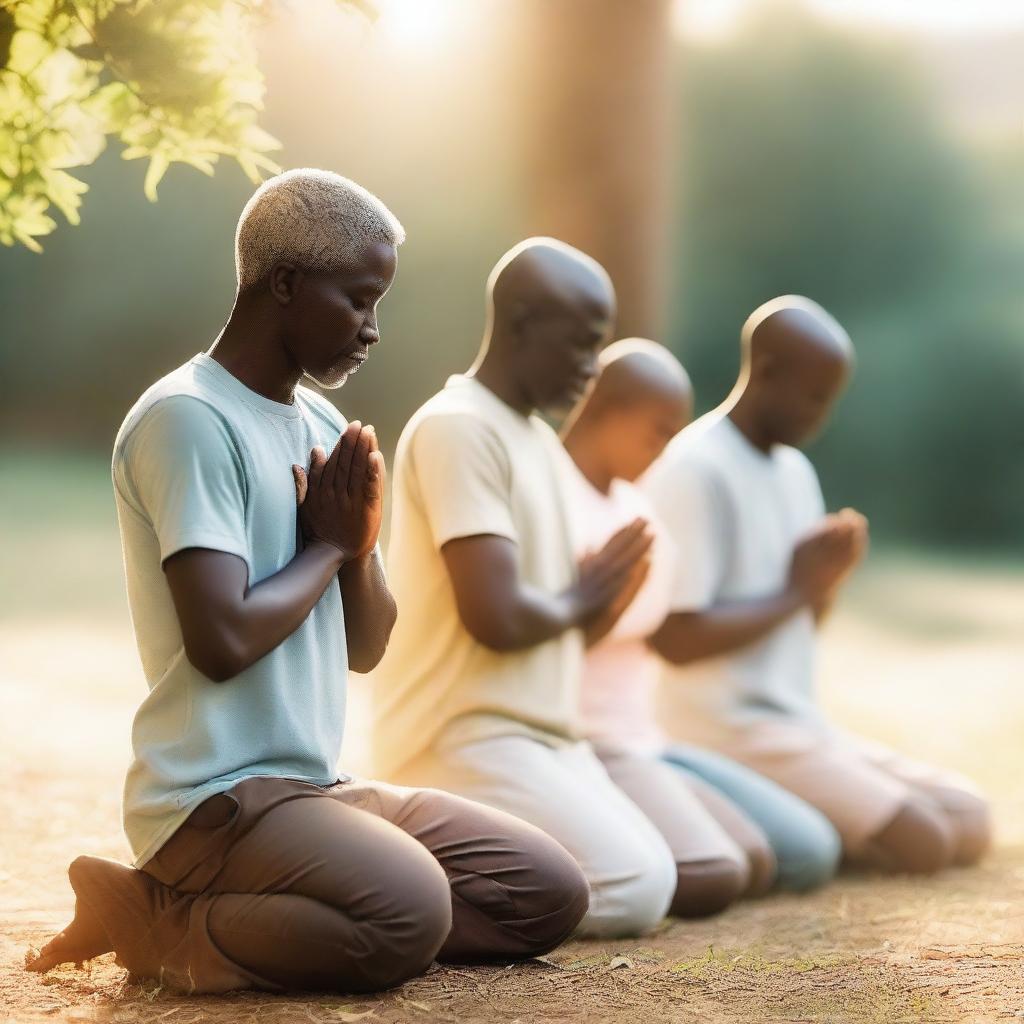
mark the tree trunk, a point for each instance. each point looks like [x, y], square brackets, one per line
[599, 131]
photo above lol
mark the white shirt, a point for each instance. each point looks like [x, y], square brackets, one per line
[735, 515]
[467, 465]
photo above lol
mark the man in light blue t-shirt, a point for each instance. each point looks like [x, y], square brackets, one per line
[256, 864]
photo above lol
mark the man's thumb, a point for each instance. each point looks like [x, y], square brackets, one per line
[301, 484]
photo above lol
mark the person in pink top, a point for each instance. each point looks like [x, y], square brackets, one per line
[732, 830]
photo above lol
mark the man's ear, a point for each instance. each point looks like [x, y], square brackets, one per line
[284, 280]
[764, 365]
[518, 317]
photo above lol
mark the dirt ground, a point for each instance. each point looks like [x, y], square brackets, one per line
[925, 654]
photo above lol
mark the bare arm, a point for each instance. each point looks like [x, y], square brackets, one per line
[690, 636]
[370, 611]
[818, 565]
[228, 625]
[506, 614]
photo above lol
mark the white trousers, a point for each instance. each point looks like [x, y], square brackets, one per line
[567, 792]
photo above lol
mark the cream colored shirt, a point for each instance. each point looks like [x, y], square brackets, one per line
[735, 515]
[467, 465]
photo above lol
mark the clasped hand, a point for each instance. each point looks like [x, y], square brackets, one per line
[341, 496]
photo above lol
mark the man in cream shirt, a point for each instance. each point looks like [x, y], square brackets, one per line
[478, 691]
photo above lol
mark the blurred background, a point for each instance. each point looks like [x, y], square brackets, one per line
[713, 153]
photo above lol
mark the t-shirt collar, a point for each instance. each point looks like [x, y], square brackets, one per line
[461, 380]
[740, 441]
[227, 382]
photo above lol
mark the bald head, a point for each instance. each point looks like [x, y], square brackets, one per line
[642, 398]
[636, 370]
[543, 274]
[794, 327]
[797, 359]
[549, 309]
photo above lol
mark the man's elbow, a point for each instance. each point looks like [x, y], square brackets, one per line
[366, 655]
[218, 667]
[218, 659]
[497, 634]
[675, 645]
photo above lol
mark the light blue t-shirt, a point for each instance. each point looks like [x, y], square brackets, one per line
[203, 461]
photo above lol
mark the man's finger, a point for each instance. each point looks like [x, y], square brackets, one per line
[360, 467]
[375, 478]
[374, 443]
[317, 462]
[623, 537]
[346, 446]
[637, 548]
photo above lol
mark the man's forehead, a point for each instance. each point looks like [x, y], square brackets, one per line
[371, 266]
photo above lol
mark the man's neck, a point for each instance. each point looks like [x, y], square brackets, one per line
[248, 349]
[587, 454]
[497, 378]
[746, 421]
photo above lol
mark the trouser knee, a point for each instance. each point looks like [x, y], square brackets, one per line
[521, 912]
[558, 898]
[402, 943]
[920, 839]
[709, 886]
[972, 820]
[811, 860]
[636, 901]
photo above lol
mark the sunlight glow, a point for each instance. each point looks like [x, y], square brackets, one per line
[419, 26]
[715, 19]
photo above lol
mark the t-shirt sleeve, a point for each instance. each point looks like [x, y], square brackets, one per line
[182, 470]
[463, 478]
[684, 499]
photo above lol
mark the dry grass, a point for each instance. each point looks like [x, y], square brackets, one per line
[926, 655]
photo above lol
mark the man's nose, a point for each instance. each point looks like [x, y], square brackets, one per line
[368, 333]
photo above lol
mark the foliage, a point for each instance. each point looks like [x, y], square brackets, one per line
[817, 163]
[173, 80]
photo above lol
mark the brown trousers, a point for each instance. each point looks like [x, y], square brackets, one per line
[354, 887]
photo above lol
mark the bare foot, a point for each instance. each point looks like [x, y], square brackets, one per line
[82, 940]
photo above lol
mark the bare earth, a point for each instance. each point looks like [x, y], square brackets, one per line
[925, 655]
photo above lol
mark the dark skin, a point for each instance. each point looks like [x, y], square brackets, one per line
[292, 324]
[795, 369]
[549, 311]
[639, 402]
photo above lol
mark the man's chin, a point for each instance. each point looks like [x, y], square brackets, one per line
[329, 381]
[559, 405]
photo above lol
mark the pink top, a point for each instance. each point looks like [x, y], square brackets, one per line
[621, 673]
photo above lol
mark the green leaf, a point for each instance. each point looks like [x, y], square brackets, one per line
[65, 193]
[112, 105]
[27, 51]
[158, 164]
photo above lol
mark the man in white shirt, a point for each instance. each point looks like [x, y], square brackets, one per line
[731, 831]
[760, 564]
[258, 864]
[478, 692]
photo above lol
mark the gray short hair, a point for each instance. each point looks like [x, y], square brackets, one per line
[317, 220]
